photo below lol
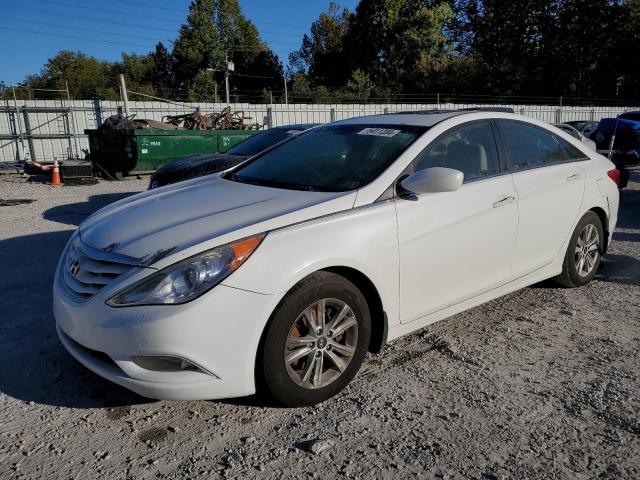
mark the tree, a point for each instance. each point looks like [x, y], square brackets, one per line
[203, 88]
[300, 88]
[514, 43]
[163, 71]
[215, 30]
[86, 76]
[359, 86]
[139, 72]
[324, 48]
[622, 57]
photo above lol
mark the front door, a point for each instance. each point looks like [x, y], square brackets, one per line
[456, 245]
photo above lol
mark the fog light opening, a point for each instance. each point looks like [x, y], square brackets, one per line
[166, 363]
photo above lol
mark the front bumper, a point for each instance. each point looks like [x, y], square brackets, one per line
[219, 332]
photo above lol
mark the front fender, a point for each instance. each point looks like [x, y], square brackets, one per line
[364, 239]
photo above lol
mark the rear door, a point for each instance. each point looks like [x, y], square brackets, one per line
[550, 188]
[456, 245]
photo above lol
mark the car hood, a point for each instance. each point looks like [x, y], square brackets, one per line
[154, 224]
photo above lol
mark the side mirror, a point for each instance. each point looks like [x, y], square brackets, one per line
[433, 180]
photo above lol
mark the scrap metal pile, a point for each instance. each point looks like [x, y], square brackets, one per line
[196, 120]
[121, 122]
[225, 120]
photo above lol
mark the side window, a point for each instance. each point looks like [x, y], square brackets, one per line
[470, 148]
[527, 146]
[569, 152]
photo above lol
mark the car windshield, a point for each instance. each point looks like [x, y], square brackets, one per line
[331, 158]
[261, 141]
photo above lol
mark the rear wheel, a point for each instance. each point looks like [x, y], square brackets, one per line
[584, 252]
[316, 341]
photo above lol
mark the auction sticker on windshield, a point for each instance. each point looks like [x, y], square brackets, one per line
[379, 132]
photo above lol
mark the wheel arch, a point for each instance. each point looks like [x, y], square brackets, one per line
[602, 215]
[379, 321]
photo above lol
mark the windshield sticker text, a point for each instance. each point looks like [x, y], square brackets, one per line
[379, 132]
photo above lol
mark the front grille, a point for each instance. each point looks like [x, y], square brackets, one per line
[87, 270]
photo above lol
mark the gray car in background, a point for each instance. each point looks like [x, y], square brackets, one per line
[576, 134]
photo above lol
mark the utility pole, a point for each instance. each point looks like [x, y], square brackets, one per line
[286, 96]
[19, 122]
[212, 71]
[226, 75]
[123, 94]
[73, 120]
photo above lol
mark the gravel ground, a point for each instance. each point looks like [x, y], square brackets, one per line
[541, 383]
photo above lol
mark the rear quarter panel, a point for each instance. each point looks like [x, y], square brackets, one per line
[600, 191]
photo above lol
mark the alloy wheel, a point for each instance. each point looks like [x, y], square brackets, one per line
[321, 343]
[587, 250]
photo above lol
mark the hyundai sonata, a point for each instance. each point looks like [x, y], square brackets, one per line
[283, 271]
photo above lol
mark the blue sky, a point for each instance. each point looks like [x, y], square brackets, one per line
[35, 30]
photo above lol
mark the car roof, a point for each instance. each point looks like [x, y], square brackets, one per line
[423, 118]
[298, 126]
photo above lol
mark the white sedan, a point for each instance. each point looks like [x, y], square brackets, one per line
[281, 273]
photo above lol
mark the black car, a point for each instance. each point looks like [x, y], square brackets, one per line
[205, 164]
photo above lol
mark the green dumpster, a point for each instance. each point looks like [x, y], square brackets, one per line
[132, 151]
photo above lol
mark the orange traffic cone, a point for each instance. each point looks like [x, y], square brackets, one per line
[55, 176]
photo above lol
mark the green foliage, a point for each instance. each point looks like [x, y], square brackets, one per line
[216, 27]
[359, 87]
[520, 47]
[203, 88]
[321, 94]
[86, 76]
[300, 88]
[324, 49]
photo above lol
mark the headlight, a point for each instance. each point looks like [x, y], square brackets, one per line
[190, 278]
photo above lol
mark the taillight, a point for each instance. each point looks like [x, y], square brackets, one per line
[614, 175]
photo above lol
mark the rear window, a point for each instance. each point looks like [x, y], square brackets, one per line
[527, 146]
[569, 152]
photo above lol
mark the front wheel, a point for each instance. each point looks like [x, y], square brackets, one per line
[584, 252]
[316, 341]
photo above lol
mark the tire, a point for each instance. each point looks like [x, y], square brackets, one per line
[295, 383]
[574, 272]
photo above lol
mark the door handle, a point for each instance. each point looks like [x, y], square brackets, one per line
[575, 176]
[504, 201]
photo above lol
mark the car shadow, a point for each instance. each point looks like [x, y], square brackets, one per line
[76, 213]
[619, 269]
[35, 366]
